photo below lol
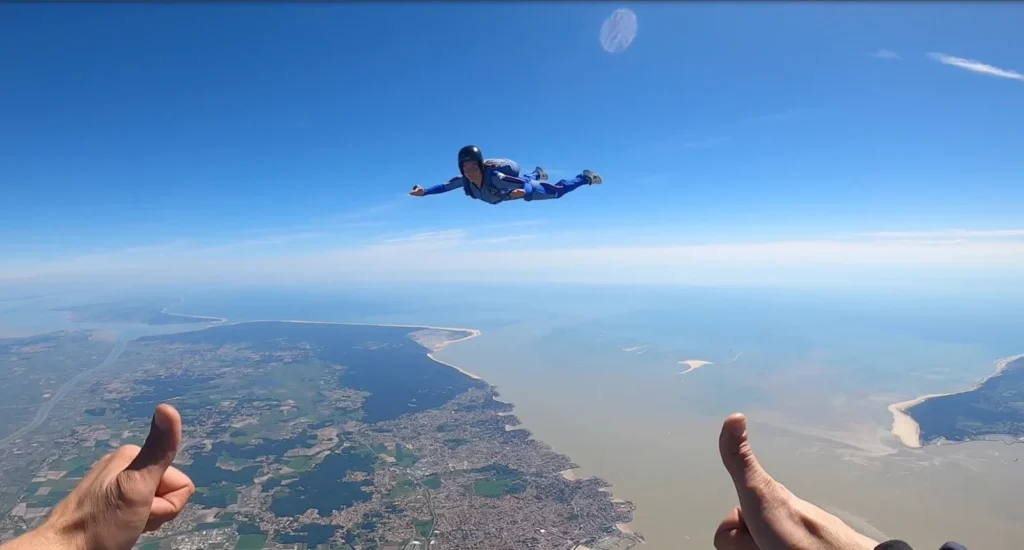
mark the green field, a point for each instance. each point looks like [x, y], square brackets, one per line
[64, 484]
[229, 462]
[227, 493]
[432, 481]
[494, 488]
[251, 542]
[502, 481]
[69, 464]
[300, 463]
[404, 457]
[405, 487]
[424, 528]
[47, 500]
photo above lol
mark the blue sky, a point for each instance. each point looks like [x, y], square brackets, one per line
[229, 140]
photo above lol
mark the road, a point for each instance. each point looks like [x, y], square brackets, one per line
[44, 411]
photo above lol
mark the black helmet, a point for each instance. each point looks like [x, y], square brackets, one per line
[470, 153]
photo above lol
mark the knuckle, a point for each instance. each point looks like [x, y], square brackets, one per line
[117, 491]
[125, 490]
[723, 541]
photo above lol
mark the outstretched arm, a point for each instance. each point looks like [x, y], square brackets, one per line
[533, 190]
[527, 189]
[452, 184]
[514, 187]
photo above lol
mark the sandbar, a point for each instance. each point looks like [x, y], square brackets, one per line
[694, 364]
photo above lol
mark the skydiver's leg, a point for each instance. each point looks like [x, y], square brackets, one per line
[543, 190]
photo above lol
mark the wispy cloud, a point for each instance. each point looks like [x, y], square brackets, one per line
[886, 54]
[946, 234]
[280, 239]
[976, 66]
[454, 237]
[459, 254]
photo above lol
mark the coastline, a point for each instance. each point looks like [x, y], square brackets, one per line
[432, 347]
[908, 431]
[470, 333]
[214, 320]
[449, 365]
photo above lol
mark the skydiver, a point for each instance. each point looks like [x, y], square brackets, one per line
[498, 180]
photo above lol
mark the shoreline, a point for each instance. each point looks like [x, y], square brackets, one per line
[214, 320]
[908, 431]
[570, 475]
[461, 370]
[470, 333]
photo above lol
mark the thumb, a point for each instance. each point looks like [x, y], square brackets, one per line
[753, 484]
[160, 448]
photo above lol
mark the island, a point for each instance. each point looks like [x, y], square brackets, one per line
[127, 313]
[317, 436]
[994, 408]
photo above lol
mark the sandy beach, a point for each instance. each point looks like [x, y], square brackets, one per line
[693, 364]
[907, 429]
[472, 331]
[216, 320]
[463, 371]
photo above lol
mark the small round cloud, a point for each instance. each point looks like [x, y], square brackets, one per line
[618, 31]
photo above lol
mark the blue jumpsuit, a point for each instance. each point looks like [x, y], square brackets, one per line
[501, 177]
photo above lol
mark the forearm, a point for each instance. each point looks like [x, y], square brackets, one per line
[435, 190]
[445, 187]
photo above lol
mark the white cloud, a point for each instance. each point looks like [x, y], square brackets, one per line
[886, 54]
[449, 236]
[455, 255]
[976, 66]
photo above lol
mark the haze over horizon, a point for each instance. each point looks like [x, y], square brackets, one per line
[830, 146]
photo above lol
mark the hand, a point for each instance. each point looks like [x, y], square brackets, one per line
[127, 492]
[517, 194]
[770, 517]
[417, 191]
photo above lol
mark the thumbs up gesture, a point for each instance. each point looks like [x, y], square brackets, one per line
[769, 516]
[127, 492]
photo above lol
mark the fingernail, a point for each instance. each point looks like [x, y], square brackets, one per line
[737, 428]
[160, 422]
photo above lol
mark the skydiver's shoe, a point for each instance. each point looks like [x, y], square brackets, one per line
[541, 174]
[592, 178]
